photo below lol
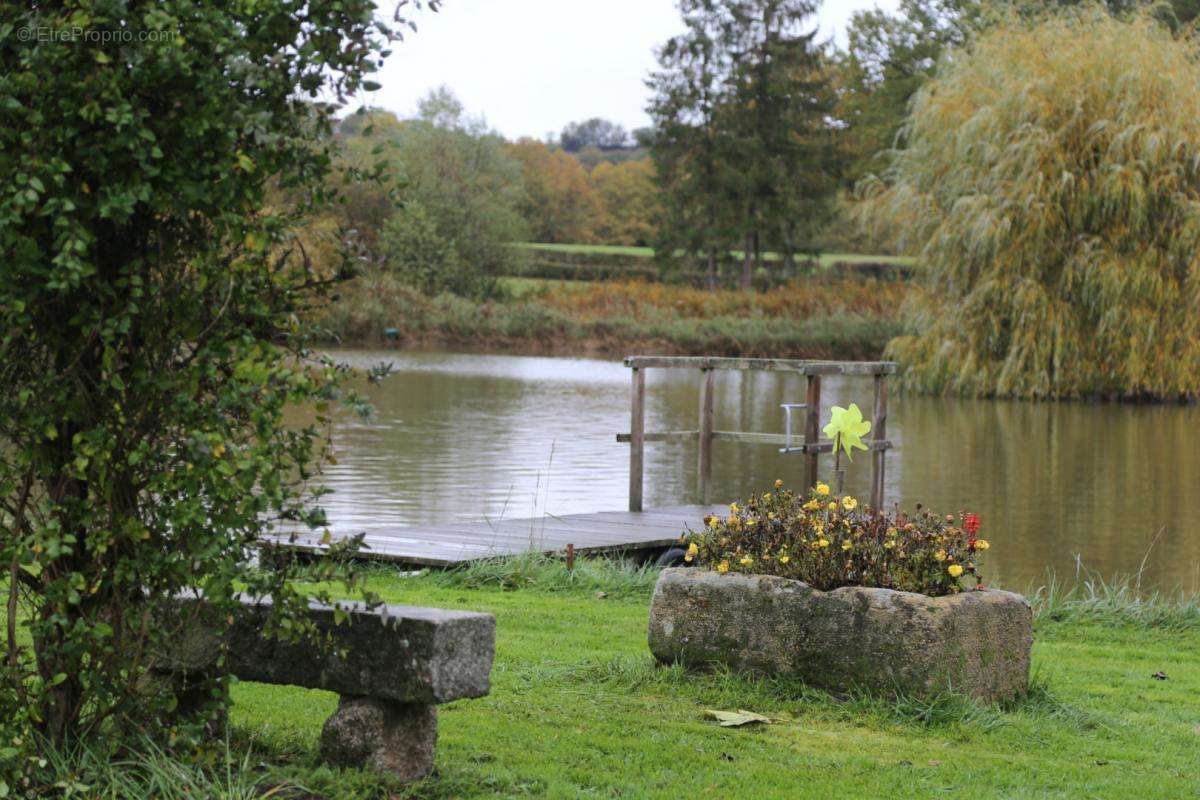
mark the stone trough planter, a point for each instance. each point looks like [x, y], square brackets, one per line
[974, 643]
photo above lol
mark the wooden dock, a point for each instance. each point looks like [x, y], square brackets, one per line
[461, 542]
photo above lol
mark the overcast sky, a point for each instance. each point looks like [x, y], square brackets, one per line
[531, 66]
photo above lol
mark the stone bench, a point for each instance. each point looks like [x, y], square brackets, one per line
[391, 665]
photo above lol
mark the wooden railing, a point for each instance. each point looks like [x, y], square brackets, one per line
[811, 446]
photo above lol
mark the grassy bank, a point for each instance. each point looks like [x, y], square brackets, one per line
[850, 319]
[826, 259]
[578, 709]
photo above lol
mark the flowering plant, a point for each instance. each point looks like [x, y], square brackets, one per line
[829, 541]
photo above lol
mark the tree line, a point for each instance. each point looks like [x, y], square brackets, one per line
[759, 134]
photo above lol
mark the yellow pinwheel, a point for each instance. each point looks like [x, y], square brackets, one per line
[846, 427]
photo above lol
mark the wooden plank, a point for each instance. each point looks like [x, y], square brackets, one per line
[879, 431]
[462, 542]
[750, 437]
[637, 442]
[873, 445]
[803, 367]
[583, 533]
[704, 468]
[747, 437]
[812, 422]
[661, 436]
[694, 515]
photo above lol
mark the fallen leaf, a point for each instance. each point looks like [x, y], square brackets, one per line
[734, 719]
[601, 595]
[1159, 676]
[933, 762]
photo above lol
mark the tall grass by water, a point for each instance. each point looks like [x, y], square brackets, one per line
[835, 318]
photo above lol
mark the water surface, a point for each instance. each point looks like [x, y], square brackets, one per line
[468, 436]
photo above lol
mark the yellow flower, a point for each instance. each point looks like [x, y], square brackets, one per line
[849, 503]
[981, 544]
[940, 555]
[955, 570]
[691, 552]
[811, 505]
[723, 567]
[822, 542]
[846, 545]
[746, 561]
[832, 505]
[714, 521]
[778, 483]
[784, 559]
[733, 507]
[889, 544]
[767, 497]
[891, 531]
[822, 488]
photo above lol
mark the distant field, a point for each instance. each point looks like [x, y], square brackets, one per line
[826, 259]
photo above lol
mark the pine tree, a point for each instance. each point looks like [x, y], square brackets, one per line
[744, 141]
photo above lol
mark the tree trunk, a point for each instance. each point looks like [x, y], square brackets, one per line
[748, 262]
[758, 259]
[789, 252]
[711, 269]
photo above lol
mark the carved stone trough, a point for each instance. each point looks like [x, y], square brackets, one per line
[975, 643]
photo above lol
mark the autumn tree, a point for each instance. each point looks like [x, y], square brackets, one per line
[558, 203]
[629, 199]
[1051, 186]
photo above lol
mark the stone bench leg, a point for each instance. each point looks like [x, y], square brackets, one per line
[382, 734]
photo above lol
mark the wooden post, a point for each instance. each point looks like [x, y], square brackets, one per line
[812, 428]
[706, 432]
[878, 433]
[637, 438]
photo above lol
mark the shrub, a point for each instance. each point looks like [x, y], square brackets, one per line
[828, 541]
[151, 346]
[1051, 184]
[420, 256]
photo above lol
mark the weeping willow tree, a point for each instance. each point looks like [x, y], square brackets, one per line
[1051, 184]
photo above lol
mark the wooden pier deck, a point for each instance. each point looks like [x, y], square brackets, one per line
[461, 542]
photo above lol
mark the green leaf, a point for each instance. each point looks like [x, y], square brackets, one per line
[846, 428]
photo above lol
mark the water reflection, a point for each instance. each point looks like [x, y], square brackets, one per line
[464, 436]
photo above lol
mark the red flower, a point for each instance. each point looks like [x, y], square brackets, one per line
[971, 524]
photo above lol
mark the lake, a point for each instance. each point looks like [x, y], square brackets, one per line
[1064, 486]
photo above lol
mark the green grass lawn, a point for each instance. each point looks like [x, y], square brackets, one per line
[826, 259]
[578, 709]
